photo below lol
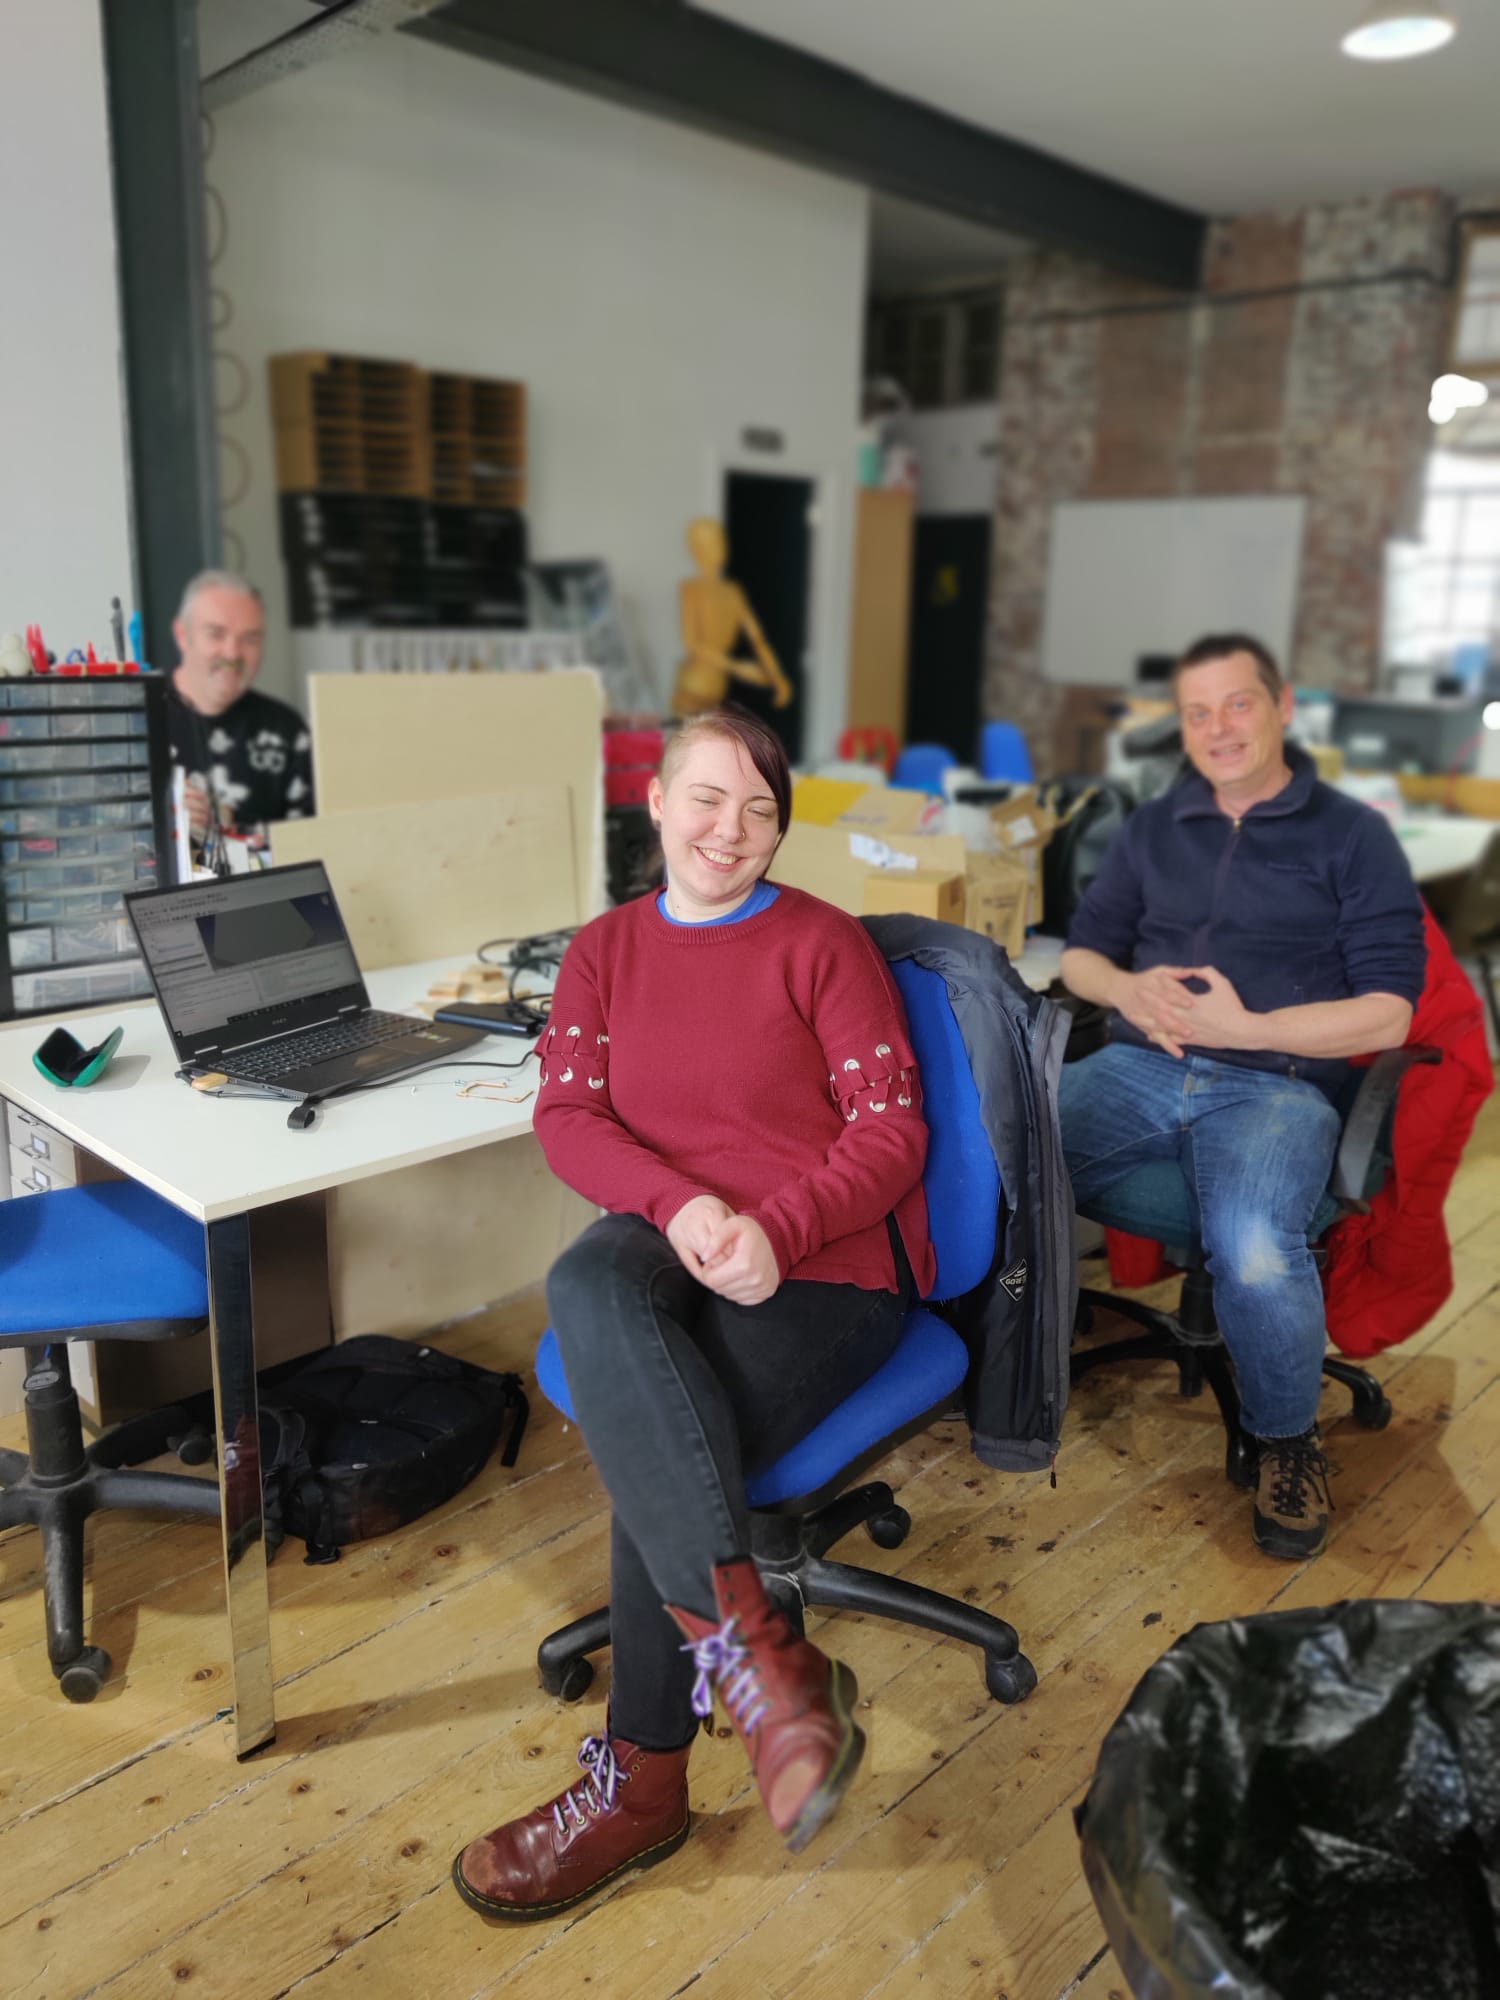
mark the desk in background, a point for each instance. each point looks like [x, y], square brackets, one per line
[221, 1160]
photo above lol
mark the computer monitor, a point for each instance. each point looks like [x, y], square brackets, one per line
[1433, 738]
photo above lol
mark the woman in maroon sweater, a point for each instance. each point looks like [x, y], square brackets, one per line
[728, 1073]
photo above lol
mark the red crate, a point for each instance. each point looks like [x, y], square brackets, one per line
[627, 787]
[633, 746]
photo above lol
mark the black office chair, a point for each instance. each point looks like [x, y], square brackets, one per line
[1155, 1201]
[105, 1262]
[805, 1502]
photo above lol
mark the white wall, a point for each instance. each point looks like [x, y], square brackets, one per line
[65, 539]
[657, 291]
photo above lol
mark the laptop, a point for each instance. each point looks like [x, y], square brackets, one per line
[255, 976]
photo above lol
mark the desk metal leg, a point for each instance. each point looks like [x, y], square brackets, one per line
[232, 1340]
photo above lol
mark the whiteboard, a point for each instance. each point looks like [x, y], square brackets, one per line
[1127, 577]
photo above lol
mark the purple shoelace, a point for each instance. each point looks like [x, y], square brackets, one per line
[722, 1656]
[602, 1776]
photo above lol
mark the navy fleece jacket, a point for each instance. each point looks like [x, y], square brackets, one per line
[1308, 897]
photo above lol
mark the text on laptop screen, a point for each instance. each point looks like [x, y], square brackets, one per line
[224, 951]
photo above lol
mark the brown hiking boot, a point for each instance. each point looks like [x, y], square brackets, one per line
[791, 1706]
[629, 1811]
[1292, 1500]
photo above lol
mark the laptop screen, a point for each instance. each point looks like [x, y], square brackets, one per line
[223, 953]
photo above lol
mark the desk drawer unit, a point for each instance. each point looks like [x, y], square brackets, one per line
[39, 1157]
[85, 779]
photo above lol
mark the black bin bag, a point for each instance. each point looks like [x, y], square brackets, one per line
[1306, 1806]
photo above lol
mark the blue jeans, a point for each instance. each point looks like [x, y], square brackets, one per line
[1256, 1150]
[678, 1393]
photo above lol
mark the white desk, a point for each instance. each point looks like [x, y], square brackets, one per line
[1443, 843]
[219, 1158]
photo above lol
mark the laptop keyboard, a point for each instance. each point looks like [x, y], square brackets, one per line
[339, 1038]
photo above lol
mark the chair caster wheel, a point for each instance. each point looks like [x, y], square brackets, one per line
[890, 1529]
[81, 1679]
[572, 1681]
[197, 1448]
[1373, 1412]
[1009, 1680]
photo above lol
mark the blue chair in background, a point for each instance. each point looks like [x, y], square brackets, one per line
[106, 1262]
[1003, 755]
[804, 1502]
[920, 767]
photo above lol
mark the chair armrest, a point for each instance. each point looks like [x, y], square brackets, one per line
[1367, 1116]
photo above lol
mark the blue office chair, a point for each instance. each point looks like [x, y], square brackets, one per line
[105, 1262]
[1003, 755]
[803, 1503]
[1155, 1201]
[920, 767]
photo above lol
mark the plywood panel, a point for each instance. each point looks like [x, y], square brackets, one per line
[390, 739]
[426, 881]
[409, 1250]
[881, 620]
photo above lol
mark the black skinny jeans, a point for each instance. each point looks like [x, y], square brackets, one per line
[678, 1392]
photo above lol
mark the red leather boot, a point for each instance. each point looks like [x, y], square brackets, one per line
[792, 1707]
[629, 1811]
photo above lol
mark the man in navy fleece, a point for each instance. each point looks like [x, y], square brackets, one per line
[1249, 930]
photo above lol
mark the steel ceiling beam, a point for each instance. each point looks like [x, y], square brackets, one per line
[668, 58]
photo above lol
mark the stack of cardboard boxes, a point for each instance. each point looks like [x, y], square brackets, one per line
[876, 850]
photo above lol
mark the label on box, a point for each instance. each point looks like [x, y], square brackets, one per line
[875, 853]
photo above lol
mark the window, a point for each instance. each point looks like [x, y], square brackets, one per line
[942, 351]
[1476, 335]
[1458, 580]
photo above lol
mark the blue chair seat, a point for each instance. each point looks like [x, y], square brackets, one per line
[927, 1367]
[98, 1256]
[1155, 1201]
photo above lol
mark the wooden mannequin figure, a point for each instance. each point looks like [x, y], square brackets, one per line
[715, 612]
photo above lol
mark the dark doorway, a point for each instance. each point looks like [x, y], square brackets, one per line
[770, 558]
[949, 599]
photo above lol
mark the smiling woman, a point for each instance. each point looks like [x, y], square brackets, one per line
[728, 1072]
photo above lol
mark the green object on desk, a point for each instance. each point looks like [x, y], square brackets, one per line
[63, 1059]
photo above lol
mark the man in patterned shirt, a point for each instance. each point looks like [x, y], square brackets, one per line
[247, 757]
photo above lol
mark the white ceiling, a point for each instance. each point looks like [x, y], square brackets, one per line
[1224, 105]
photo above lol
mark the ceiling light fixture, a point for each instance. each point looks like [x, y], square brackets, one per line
[1395, 29]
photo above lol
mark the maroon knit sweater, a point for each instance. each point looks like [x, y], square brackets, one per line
[766, 1062]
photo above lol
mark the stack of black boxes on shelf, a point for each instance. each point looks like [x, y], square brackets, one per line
[85, 779]
[401, 494]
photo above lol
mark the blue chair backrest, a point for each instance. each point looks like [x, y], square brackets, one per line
[1003, 755]
[961, 1180]
[920, 767]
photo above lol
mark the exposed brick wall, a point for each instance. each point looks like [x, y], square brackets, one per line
[1111, 389]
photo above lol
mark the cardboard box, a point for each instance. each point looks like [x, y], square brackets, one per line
[1020, 828]
[997, 900]
[916, 892]
[834, 861]
[883, 810]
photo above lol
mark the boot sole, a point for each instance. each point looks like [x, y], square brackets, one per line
[535, 1913]
[1287, 1545]
[822, 1804]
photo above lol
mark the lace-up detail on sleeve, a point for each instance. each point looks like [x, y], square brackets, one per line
[876, 1081]
[575, 1057]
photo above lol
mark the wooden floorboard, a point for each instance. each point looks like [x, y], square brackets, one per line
[137, 1858]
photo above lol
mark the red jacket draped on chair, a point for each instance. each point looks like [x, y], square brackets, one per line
[1388, 1272]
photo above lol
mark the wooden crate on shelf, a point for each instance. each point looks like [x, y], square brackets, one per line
[349, 423]
[478, 428]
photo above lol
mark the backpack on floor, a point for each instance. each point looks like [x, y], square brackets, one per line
[361, 1438]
